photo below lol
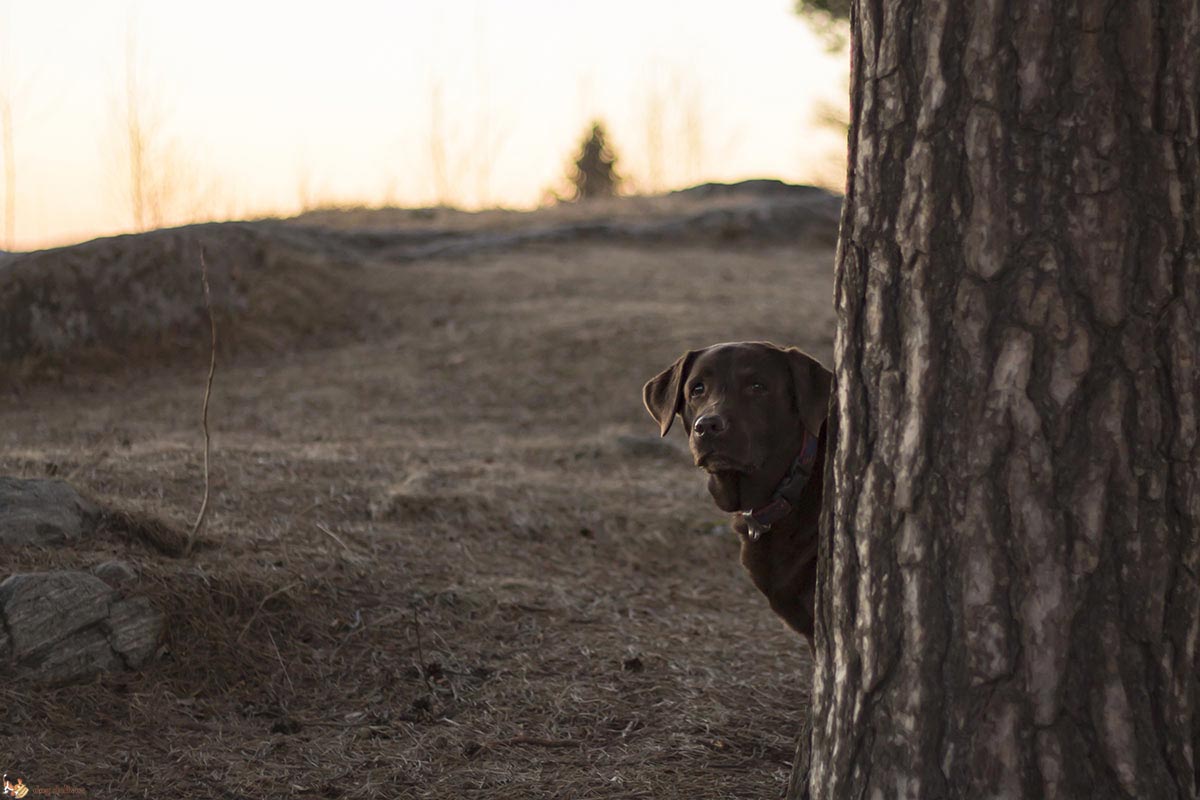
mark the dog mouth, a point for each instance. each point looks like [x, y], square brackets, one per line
[715, 463]
[725, 485]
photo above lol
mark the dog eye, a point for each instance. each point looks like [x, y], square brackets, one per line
[697, 389]
[758, 386]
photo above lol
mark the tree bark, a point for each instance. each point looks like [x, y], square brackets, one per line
[1008, 603]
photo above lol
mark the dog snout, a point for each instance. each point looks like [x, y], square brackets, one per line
[710, 425]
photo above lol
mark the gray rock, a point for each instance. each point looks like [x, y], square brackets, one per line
[43, 512]
[41, 608]
[755, 187]
[66, 626]
[134, 627]
[116, 573]
[77, 657]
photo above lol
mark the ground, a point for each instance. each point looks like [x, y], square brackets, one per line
[446, 557]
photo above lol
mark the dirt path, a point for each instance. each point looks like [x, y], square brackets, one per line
[446, 559]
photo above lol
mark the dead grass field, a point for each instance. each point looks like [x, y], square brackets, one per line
[444, 559]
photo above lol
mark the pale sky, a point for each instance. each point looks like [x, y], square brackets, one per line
[260, 107]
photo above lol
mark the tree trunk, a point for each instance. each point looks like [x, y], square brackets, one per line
[1008, 602]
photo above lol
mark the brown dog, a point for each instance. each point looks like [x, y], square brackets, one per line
[755, 417]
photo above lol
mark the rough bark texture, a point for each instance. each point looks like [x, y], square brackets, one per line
[1008, 600]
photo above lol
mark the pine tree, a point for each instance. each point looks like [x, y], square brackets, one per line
[595, 173]
[1008, 603]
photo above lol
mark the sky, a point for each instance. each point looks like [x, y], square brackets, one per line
[249, 108]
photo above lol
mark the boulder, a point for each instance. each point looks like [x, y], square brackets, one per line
[116, 573]
[134, 627]
[60, 627]
[43, 512]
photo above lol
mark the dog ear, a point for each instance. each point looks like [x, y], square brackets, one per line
[663, 394]
[812, 383]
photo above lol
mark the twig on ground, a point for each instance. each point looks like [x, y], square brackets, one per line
[283, 666]
[323, 529]
[275, 593]
[212, 368]
[421, 654]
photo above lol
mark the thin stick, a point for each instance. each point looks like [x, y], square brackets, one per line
[275, 593]
[281, 664]
[333, 536]
[421, 653]
[212, 368]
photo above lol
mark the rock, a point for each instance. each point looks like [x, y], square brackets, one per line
[81, 656]
[757, 187]
[66, 626]
[123, 299]
[43, 512]
[134, 627]
[42, 608]
[116, 573]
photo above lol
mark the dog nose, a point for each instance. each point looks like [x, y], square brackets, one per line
[709, 425]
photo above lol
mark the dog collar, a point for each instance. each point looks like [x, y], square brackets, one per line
[759, 520]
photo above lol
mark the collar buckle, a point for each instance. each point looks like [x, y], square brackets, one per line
[754, 528]
[760, 520]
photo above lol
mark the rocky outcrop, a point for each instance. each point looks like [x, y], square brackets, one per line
[60, 627]
[114, 300]
[43, 512]
[126, 298]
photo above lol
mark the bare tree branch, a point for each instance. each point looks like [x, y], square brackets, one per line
[198, 526]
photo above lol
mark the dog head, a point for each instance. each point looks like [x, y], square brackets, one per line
[745, 406]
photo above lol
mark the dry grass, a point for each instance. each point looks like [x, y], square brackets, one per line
[386, 218]
[105, 306]
[434, 565]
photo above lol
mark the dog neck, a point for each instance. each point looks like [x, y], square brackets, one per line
[759, 520]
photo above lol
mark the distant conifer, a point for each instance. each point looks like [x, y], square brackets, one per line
[595, 171]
